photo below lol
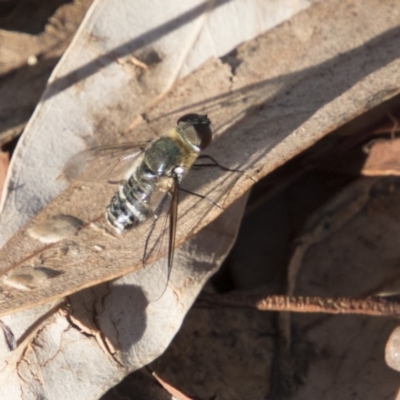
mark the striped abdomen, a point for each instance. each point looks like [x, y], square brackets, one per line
[130, 205]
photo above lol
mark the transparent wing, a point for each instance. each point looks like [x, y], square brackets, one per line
[160, 244]
[103, 162]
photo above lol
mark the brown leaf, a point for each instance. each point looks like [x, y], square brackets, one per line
[4, 161]
[383, 158]
[170, 389]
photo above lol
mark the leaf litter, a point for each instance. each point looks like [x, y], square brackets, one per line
[302, 349]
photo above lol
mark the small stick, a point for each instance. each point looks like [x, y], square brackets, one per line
[306, 304]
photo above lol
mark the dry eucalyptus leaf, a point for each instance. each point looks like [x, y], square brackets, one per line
[383, 158]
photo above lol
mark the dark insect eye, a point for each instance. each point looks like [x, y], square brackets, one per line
[193, 119]
[196, 129]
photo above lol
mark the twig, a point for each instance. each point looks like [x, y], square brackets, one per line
[306, 304]
[170, 389]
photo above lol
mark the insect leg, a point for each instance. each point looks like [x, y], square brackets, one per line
[201, 196]
[161, 207]
[214, 163]
[173, 218]
[120, 182]
[164, 228]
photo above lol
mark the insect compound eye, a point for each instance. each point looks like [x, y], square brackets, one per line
[196, 129]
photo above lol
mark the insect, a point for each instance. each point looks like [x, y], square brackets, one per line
[153, 173]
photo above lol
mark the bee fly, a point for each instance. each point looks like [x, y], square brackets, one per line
[159, 170]
[155, 172]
